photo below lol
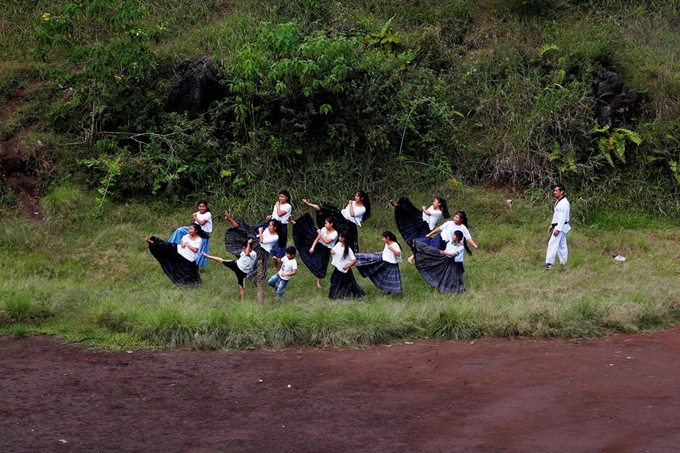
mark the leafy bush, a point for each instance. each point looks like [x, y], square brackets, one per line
[349, 91]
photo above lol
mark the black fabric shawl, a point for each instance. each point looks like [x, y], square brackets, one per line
[410, 221]
[234, 239]
[344, 286]
[440, 271]
[179, 269]
[304, 234]
[341, 223]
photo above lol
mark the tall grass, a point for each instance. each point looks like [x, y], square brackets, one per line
[96, 282]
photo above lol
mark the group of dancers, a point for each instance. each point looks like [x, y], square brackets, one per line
[329, 238]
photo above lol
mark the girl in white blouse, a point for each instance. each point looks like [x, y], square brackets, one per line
[383, 267]
[343, 284]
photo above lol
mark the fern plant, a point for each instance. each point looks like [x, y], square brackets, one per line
[613, 144]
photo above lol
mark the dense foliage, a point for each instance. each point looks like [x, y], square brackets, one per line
[387, 96]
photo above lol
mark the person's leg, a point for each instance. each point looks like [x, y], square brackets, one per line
[562, 251]
[273, 280]
[412, 258]
[214, 258]
[552, 250]
[241, 276]
[281, 288]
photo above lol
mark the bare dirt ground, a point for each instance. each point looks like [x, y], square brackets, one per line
[615, 394]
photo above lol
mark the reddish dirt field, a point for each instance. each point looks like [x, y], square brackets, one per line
[615, 394]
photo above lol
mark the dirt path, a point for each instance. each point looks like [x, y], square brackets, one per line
[617, 394]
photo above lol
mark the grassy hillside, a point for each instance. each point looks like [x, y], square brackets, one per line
[380, 95]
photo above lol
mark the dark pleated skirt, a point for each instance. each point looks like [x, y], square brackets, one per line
[434, 242]
[179, 269]
[344, 286]
[342, 223]
[440, 271]
[384, 275]
[304, 234]
[179, 233]
[410, 221]
[233, 241]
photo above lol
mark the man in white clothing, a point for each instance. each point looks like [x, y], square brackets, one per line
[557, 246]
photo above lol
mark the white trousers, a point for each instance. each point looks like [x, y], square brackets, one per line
[557, 246]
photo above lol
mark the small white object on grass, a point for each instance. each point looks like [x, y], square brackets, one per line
[618, 258]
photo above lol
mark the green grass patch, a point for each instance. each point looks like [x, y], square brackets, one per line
[94, 281]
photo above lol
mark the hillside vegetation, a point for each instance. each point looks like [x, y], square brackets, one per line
[329, 96]
[119, 115]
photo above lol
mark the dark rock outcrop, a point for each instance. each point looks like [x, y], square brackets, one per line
[615, 101]
[198, 87]
[15, 176]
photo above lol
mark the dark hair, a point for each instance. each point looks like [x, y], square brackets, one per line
[207, 208]
[199, 231]
[286, 193]
[389, 235]
[463, 218]
[278, 227]
[561, 187]
[347, 240]
[366, 200]
[291, 250]
[443, 207]
[461, 237]
[331, 220]
[244, 243]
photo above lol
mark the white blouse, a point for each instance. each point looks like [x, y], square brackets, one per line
[359, 212]
[268, 239]
[338, 261]
[434, 216]
[283, 218]
[333, 235]
[186, 252]
[246, 262]
[459, 249]
[389, 256]
[207, 226]
[448, 228]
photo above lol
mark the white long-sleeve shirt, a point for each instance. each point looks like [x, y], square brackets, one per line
[561, 215]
